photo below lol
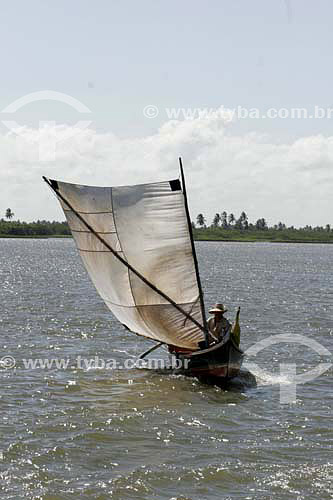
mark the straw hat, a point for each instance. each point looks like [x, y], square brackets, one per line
[218, 308]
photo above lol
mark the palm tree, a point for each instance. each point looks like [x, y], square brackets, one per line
[216, 220]
[243, 216]
[201, 221]
[231, 219]
[242, 222]
[224, 220]
[9, 214]
[261, 224]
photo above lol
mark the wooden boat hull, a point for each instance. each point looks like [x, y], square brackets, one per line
[223, 362]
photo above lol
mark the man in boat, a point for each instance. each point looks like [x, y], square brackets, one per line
[218, 325]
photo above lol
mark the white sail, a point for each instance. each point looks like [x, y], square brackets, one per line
[147, 226]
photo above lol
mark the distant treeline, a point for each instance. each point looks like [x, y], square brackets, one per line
[225, 221]
[38, 228]
[226, 227]
[223, 227]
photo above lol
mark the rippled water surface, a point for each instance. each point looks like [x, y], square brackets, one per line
[102, 434]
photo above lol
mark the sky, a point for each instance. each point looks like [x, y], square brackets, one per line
[113, 92]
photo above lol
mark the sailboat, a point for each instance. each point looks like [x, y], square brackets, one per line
[137, 246]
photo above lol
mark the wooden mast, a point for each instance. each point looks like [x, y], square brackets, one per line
[196, 266]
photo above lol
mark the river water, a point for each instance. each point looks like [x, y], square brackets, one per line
[88, 433]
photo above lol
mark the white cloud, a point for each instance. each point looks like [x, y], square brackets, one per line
[288, 182]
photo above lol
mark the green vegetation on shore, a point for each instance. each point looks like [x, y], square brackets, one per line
[287, 235]
[226, 227]
[39, 229]
[223, 228]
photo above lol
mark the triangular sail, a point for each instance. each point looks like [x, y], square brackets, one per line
[146, 228]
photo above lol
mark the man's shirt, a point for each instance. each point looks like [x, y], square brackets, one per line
[220, 328]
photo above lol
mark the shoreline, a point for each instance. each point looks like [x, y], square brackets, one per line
[215, 240]
[34, 236]
[263, 241]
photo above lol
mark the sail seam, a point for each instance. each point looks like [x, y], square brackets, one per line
[128, 269]
[97, 251]
[89, 232]
[126, 185]
[86, 213]
[144, 305]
